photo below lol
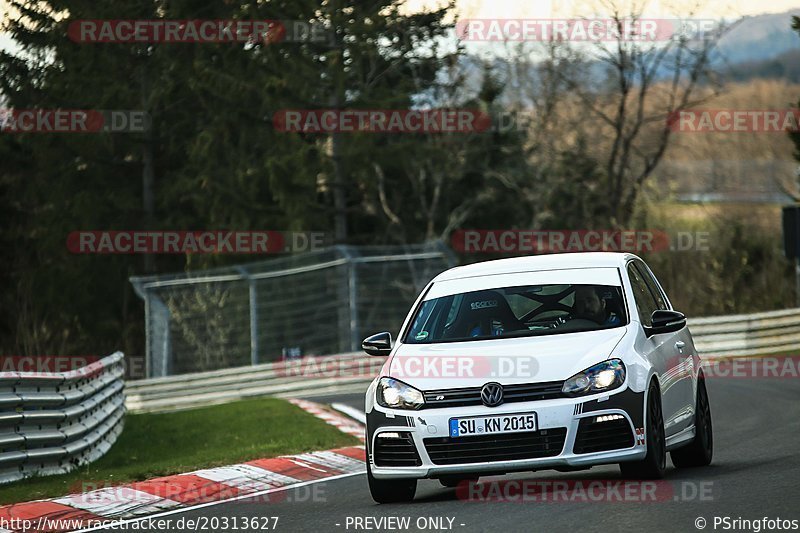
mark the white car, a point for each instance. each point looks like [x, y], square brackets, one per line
[549, 362]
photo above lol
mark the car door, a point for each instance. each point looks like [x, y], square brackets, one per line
[656, 348]
[681, 349]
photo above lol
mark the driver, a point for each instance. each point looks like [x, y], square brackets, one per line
[589, 305]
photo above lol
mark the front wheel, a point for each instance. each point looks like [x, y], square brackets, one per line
[391, 490]
[654, 464]
[700, 451]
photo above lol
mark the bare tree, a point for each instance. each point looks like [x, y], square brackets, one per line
[647, 84]
[617, 97]
[431, 174]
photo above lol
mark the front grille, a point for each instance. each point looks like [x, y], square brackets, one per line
[525, 392]
[490, 448]
[602, 436]
[395, 449]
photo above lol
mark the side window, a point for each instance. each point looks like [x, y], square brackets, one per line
[652, 285]
[645, 303]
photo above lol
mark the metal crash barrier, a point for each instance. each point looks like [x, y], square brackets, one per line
[53, 422]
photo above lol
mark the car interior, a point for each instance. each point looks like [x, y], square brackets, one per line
[511, 311]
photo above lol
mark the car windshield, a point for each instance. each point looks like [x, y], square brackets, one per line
[517, 312]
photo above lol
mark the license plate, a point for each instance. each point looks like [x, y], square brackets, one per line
[488, 425]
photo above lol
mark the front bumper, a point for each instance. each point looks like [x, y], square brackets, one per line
[551, 415]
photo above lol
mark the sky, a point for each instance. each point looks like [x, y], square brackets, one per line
[652, 8]
[555, 8]
[574, 8]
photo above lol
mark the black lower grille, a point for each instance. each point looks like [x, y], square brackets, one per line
[523, 392]
[395, 449]
[491, 448]
[602, 436]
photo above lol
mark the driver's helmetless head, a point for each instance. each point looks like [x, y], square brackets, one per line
[588, 303]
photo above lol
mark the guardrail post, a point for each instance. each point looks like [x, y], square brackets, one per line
[352, 284]
[158, 344]
[253, 322]
[253, 296]
[351, 320]
[161, 356]
[797, 281]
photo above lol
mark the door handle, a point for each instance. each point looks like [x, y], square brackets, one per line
[679, 345]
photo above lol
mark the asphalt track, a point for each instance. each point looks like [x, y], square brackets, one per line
[755, 474]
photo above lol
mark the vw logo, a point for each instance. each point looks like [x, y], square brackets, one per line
[492, 394]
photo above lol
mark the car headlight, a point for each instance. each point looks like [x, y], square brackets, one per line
[601, 377]
[398, 395]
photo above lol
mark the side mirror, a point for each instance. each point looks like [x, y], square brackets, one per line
[378, 344]
[666, 322]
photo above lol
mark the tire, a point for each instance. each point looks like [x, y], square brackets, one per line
[391, 490]
[654, 464]
[701, 450]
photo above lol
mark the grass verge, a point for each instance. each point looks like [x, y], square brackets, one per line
[154, 445]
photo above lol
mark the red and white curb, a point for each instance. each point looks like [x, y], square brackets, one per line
[344, 423]
[199, 488]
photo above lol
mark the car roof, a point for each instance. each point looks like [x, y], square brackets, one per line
[538, 262]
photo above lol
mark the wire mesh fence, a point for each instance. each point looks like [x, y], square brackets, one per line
[317, 303]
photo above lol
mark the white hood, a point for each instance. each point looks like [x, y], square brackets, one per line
[455, 365]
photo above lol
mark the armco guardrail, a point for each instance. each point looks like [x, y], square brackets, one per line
[722, 336]
[51, 423]
[310, 375]
[743, 335]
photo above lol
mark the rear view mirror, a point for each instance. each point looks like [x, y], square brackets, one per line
[378, 344]
[666, 322]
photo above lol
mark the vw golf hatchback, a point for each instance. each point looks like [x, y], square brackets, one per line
[561, 361]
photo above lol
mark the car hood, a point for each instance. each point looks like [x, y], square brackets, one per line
[507, 361]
